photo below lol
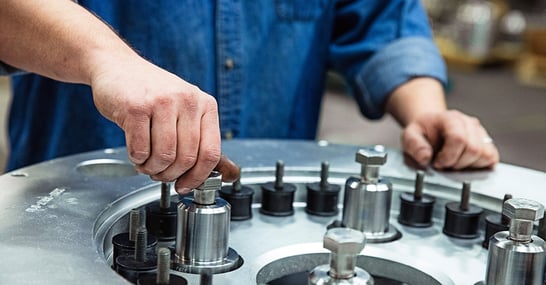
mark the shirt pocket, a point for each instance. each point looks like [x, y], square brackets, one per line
[300, 10]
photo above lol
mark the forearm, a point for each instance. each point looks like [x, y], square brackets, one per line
[56, 38]
[419, 96]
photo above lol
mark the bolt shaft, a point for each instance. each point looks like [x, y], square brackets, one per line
[324, 175]
[465, 196]
[370, 173]
[163, 266]
[279, 173]
[165, 200]
[419, 179]
[134, 223]
[140, 244]
[342, 266]
[237, 184]
[520, 230]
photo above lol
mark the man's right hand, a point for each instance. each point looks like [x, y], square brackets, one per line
[171, 126]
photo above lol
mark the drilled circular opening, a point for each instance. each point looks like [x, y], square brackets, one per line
[294, 270]
[106, 168]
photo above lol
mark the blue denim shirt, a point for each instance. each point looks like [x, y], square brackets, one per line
[264, 61]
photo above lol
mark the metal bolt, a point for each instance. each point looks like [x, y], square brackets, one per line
[140, 244]
[163, 266]
[465, 196]
[279, 173]
[134, 223]
[523, 209]
[165, 200]
[371, 156]
[419, 180]
[345, 244]
[522, 213]
[371, 160]
[324, 175]
[237, 184]
[205, 193]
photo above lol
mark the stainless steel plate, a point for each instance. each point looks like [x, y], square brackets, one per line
[57, 217]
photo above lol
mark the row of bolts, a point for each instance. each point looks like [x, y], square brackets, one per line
[164, 254]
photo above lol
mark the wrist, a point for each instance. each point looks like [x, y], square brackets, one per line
[421, 96]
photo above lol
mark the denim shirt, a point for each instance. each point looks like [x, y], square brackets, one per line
[264, 61]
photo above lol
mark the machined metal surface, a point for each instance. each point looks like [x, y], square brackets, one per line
[516, 256]
[57, 217]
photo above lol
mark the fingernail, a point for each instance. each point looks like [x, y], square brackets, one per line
[423, 156]
[183, 190]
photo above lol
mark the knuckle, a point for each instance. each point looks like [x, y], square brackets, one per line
[211, 158]
[475, 121]
[138, 156]
[457, 138]
[167, 157]
[210, 103]
[187, 161]
[473, 150]
[163, 102]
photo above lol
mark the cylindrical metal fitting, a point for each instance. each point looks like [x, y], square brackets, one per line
[512, 262]
[367, 199]
[203, 231]
[203, 224]
[366, 207]
[516, 256]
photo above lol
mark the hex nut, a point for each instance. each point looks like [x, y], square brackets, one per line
[523, 209]
[344, 241]
[371, 156]
[213, 183]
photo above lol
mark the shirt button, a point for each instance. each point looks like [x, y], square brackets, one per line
[228, 134]
[229, 64]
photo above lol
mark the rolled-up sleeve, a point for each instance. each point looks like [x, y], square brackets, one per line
[8, 69]
[378, 47]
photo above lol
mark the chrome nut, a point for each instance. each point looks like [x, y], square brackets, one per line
[523, 209]
[371, 156]
[344, 241]
[213, 183]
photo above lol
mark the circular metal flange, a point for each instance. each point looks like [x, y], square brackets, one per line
[231, 262]
[390, 235]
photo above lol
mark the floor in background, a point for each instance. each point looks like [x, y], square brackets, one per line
[514, 115]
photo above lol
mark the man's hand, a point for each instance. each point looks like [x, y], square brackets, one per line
[449, 140]
[171, 126]
[446, 139]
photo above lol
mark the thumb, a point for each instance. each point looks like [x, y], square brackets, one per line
[416, 145]
[230, 171]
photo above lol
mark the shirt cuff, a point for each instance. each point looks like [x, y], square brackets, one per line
[8, 70]
[394, 65]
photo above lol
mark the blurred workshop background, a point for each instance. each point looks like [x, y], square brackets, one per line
[496, 56]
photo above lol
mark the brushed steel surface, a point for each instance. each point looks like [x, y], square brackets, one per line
[57, 217]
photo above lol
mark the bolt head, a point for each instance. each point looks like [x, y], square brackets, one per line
[523, 209]
[213, 182]
[371, 156]
[344, 241]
